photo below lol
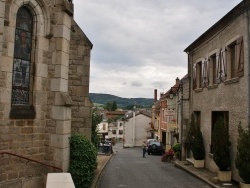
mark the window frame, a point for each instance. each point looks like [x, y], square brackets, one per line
[25, 110]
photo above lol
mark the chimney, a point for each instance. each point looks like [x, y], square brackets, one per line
[155, 95]
[177, 81]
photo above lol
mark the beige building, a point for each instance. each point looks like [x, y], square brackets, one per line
[218, 67]
[135, 128]
[45, 62]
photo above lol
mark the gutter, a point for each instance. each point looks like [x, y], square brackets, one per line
[248, 58]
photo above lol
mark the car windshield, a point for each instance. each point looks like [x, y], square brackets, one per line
[156, 143]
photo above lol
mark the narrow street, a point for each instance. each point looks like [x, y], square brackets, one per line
[127, 168]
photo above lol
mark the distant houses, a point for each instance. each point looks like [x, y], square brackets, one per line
[132, 128]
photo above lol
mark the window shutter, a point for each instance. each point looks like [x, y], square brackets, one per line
[223, 64]
[240, 56]
[205, 72]
[218, 66]
[195, 76]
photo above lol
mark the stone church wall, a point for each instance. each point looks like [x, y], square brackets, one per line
[37, 134]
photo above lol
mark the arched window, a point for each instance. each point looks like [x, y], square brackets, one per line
[22, 77]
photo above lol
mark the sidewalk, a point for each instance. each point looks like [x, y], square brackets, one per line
[204, 174]
[102, 160]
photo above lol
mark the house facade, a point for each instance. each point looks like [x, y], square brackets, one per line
[169, 109]
[135, 128]
[103, 129]
[218, 67]
[45, 64]
[120, 130]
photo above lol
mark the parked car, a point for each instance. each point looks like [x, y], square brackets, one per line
[106, 147]
[155, 147]
[150, 140]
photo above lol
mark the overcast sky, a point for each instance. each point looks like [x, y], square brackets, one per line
[138, 44]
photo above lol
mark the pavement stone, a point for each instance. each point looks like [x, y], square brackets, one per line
[204, 175]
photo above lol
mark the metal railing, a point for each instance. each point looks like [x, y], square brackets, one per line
[32, 160]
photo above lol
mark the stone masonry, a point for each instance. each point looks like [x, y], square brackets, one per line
[58, 104]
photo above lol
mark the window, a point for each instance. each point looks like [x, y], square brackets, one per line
[215, 116]
[21, 99]
[199, 74]
[205, 73]
[235, 58]
[213, 67]
[120, 124]
[113, 131]
[104, 127]
[232, 60]
[221, 65]
[120, 131]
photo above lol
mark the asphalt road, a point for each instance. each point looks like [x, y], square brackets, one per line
[127, 168]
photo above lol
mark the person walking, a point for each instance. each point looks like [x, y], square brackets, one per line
[144, 149]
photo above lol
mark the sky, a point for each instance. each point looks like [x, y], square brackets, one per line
[138, 45]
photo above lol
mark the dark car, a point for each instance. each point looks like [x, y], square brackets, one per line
[155, 147]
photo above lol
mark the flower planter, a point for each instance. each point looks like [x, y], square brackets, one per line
[198, 163]
[225, 176]
[244, 185]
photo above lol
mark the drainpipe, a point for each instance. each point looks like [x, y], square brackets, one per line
[248, 55]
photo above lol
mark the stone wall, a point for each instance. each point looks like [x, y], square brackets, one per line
[230, 96]
[60, 88]
[79, 70]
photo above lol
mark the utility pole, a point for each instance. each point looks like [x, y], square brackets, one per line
[134, 127]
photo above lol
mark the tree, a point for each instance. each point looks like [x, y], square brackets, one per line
[114, 106]
[111, 106]
[196, 140]
[221, 145]
[96, 119]
[242, 161]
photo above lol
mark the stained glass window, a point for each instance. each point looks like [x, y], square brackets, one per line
[22, 58]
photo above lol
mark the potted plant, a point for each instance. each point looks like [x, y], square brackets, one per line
[197, 145]
[221, 150]
[242, 161]
[177, 150]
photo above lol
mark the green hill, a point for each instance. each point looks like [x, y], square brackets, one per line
[99, 98]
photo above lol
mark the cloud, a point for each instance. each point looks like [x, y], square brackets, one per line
[138, 45]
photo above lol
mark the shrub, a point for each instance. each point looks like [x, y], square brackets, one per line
[242, 161]
[96, 119]
[83, 160]
[221, 146]
[177, 149]
[196, 140]
[167, 156]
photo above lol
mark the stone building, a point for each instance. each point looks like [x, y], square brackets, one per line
[218, 68]
[44, 88]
